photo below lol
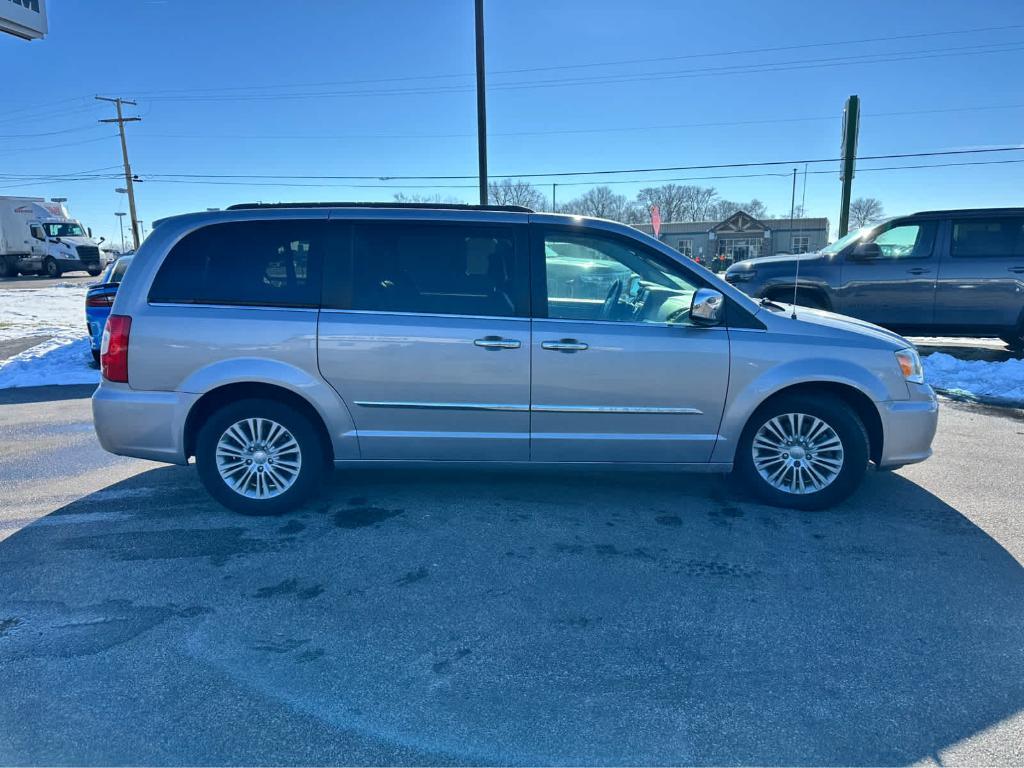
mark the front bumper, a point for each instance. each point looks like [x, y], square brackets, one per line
[77, 265]
[144, 425]
[908, 427]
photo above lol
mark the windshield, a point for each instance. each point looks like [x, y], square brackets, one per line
[64, 229]
[842, 242]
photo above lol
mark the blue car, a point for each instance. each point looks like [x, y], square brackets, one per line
[100, 298]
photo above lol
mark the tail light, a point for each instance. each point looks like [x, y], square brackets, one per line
[100, 300]
[114, 348]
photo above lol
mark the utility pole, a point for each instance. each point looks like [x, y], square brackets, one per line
[121, 120]
[481, 101]
[554, 201]
[851, 128]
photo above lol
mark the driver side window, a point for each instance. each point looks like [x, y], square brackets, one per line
[592, 277]
[906, 241]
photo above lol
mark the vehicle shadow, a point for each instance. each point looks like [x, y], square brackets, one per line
[505, 618]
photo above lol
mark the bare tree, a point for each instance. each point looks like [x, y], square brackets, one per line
[402, 197]
[603, 203]
[723, 209]
[865, 210]
[678, 202]
[515, 192]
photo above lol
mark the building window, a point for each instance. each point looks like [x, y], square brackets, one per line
[801, 244]
[686, 248]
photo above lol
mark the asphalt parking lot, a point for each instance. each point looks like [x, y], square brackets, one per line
[529, 617]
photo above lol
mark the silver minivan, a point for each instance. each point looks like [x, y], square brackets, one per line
[274, 342]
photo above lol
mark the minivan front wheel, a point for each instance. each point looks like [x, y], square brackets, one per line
[259, 457]
[804, 453]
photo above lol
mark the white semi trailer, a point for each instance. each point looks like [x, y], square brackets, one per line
[40, 237]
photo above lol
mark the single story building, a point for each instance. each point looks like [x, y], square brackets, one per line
[741, 236]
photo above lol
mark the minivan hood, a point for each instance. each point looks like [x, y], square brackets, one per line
[845, 324]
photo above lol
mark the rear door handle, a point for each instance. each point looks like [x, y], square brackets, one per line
[564, 345]
[496, 342]
[919, 271]
[1017, 270]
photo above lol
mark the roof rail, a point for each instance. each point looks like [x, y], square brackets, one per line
[427, 206]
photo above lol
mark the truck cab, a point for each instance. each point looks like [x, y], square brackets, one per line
[40, 237]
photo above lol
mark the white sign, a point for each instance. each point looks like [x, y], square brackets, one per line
[23, 18]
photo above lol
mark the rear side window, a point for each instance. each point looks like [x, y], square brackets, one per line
[120, 267]
[988, 238]
[432, 268]
[256, 263]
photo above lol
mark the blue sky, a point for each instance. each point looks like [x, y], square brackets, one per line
[258, 87]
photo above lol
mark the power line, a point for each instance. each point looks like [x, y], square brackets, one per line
[734, 69]
[37, 134]
[56, 146]
[568, 131]
[601, 172]
[584, 65]
[775, 174]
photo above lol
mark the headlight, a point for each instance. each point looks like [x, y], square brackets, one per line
[740, 275]
[910, 365]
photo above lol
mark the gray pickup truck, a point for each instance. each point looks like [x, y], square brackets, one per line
[957, 272]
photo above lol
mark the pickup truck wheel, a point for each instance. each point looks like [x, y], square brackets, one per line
[259, 457]
[803, 452]
[50, 268]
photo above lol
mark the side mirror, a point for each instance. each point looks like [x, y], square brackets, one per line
[707, 307]
[101, 240]
[866, 252]
[89, 231]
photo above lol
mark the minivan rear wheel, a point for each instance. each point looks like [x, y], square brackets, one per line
[803, 452]
[259, 457]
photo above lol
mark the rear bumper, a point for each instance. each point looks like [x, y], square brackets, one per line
[144, 425]
[908, 427]
[95, 320]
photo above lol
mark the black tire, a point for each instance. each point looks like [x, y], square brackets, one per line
[94, 272]
[7, 268]
[843, 420]
[96, 356]
[312, 451]
[51, 268]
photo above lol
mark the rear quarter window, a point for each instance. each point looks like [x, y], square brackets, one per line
[988, 238]
[255, 263]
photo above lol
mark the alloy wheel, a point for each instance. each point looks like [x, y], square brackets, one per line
[797, 453]
[258, 458]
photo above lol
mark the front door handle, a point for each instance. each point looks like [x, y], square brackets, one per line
[1016, 270]
[496, 342]
[564, 345]
[919, 271]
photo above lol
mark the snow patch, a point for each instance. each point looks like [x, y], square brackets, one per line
[57, 361]
[57, 311]
[976, 378]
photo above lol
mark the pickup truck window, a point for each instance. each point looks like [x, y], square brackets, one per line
[988, 238]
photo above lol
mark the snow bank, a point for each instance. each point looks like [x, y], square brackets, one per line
[976, 378]
[57, 361]
[58, 312]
